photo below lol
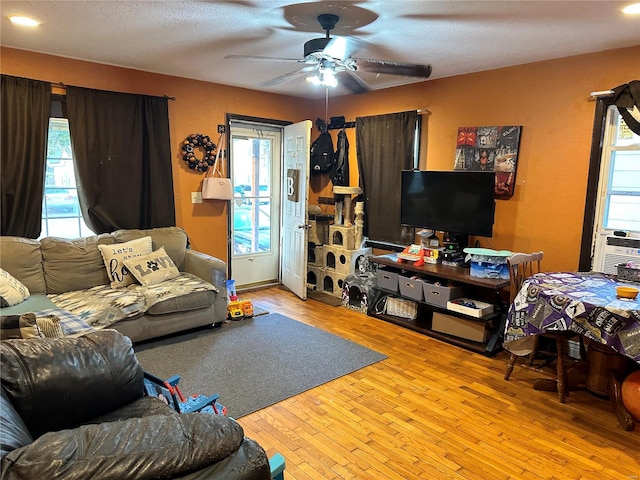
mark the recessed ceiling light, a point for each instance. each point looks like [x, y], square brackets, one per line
[633, 9]
[26, 21]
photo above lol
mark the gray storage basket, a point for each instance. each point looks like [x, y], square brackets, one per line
[628, 274]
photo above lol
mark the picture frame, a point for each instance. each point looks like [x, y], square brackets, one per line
[493, 149]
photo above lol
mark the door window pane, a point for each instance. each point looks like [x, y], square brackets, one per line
[252, 228]
[251, 210]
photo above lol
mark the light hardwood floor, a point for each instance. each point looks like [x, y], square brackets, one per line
[433, 411]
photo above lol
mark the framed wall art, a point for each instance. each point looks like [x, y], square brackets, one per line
[494, 149]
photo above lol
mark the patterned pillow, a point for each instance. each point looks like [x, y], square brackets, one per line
[50, 326]
[115, 255]
[12, 290]
[153, 268]
[19, 326]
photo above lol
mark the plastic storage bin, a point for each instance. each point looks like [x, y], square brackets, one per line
[487, 263]
[627, 273]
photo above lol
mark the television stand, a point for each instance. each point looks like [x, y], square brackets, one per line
[485, 289]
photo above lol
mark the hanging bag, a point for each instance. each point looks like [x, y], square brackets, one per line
[215, 185]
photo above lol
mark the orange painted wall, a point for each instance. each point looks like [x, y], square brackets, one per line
[551, 101]
[198, 108]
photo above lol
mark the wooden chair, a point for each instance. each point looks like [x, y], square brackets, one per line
[521, 267]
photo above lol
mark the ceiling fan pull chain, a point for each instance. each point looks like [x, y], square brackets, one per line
[326, 105]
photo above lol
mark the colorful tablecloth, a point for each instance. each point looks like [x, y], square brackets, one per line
[585, 303]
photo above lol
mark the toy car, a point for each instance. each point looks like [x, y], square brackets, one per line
[239, 308]
[234, 310]
[247, 308]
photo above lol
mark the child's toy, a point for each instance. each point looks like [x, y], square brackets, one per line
[231, 290]
[169, 393]
[413, 253]
[234, 310]
[247, 308]
[237, 308]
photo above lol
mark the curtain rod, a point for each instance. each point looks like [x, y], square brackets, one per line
[601, 93]
[419, 111]
[64, 87]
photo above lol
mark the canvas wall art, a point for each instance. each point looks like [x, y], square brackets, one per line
[494, 149]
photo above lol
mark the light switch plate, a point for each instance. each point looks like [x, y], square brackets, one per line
[196, 197]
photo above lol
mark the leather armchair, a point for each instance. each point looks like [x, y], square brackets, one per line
[74, 408]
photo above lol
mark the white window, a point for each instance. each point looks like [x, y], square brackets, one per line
[60, 208]
[618, 202]
[619, 185]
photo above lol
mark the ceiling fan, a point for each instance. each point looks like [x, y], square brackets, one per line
[330, 57]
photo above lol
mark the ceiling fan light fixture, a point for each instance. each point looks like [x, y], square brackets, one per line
[24, 21]
[633, 9]
[328, 77]
[325, 77]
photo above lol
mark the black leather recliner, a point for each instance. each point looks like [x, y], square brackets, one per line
[74, 408]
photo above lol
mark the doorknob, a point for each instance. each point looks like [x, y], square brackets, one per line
[304, 225]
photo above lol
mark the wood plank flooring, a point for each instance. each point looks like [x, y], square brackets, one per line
[433, 411]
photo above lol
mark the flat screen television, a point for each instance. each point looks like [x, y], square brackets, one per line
[455, 202]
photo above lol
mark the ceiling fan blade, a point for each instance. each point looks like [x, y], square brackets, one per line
[286, 77]
[393, 68]
[270, 59]
[352, 82]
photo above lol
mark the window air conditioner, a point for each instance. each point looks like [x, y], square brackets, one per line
[614, 250]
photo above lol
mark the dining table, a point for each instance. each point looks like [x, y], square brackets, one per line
[587, 304]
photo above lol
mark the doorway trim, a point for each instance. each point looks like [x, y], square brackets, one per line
[257, 121]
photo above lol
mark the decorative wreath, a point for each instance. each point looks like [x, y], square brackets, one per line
[188, 152]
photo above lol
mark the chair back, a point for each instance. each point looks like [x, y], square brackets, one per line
[521, 267]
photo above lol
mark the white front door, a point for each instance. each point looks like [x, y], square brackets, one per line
[295, 191]
[256, 159]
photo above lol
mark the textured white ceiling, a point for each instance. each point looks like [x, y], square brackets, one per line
[191, 38]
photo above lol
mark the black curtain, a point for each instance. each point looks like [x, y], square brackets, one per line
[23, 136]
[625, 97]
[385, 146]
[122, 156]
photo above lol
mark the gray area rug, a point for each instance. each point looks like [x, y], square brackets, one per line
[255, 362]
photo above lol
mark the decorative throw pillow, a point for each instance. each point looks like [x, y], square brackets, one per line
[50, 326]
[115, 255]
[19, 326]
[153, 268]
[12, 290]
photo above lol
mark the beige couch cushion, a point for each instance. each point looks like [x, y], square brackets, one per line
[181, 294]
[21, 257]
[74, 264]
[173, 239]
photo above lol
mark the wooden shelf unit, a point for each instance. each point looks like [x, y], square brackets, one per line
[488, 287]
